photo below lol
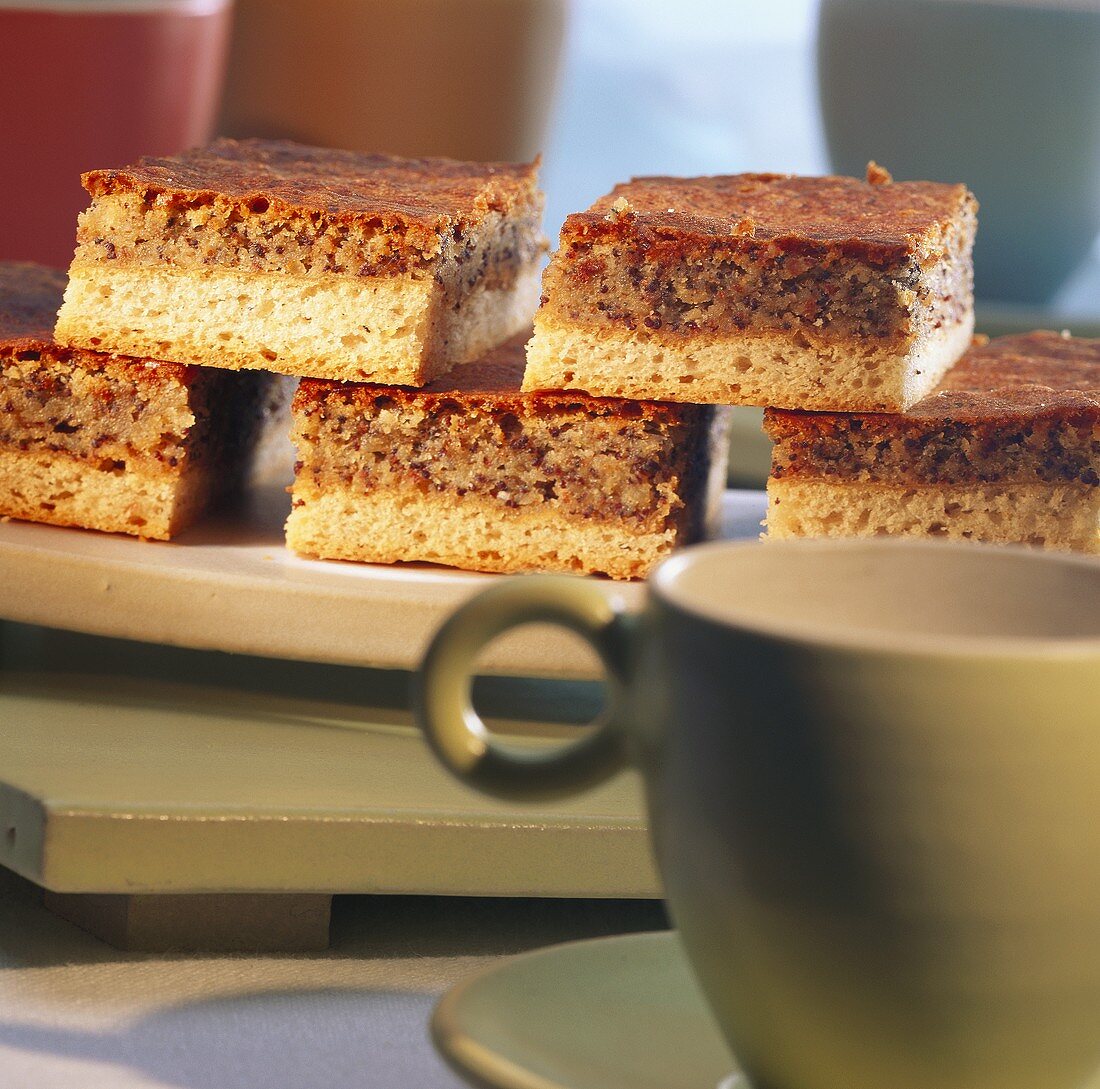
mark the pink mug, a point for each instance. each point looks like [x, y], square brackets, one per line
[96, 83]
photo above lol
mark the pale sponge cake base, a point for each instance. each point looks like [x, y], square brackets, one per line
[47, 486]
[1055, 516]
[392, 330]
[341, 522]
[774, 369]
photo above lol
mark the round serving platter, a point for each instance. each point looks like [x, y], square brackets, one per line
[230, 584]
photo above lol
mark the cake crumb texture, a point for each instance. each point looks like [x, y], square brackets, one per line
[384, 330]
[1006, 450]
[270, 255]
[822, 293]
[474, 473]
[1023, 407]
[113, 443]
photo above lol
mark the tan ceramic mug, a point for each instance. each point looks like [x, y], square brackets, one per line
[873, 779]
[471, 79]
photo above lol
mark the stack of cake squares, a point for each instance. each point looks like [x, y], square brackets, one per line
[431, 425]
[400, 292]
[845, 308]
[260, 258]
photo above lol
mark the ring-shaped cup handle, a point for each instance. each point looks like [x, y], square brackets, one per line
[443, 702]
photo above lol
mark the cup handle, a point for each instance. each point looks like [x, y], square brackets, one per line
[442, 689]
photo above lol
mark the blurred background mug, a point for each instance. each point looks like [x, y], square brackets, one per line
[470, 79]
[1003, 95]
[871, 771]
[96, 83]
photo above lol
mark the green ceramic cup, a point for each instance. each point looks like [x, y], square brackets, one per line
[873, 778]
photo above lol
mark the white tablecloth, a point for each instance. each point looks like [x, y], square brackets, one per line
[76, 1013]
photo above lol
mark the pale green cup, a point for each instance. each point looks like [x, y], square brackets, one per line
[1003, 95]
[873, 779]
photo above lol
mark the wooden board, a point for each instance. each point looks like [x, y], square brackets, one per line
[115, 785]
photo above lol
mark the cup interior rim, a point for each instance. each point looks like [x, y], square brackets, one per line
[665, 581]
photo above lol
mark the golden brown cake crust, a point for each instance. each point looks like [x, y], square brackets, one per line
[493, 381]
[30, 296]
[878, 224]
[1018, 377]
[424, 194]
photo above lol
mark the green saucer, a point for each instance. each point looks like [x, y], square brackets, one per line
[614, 1013]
